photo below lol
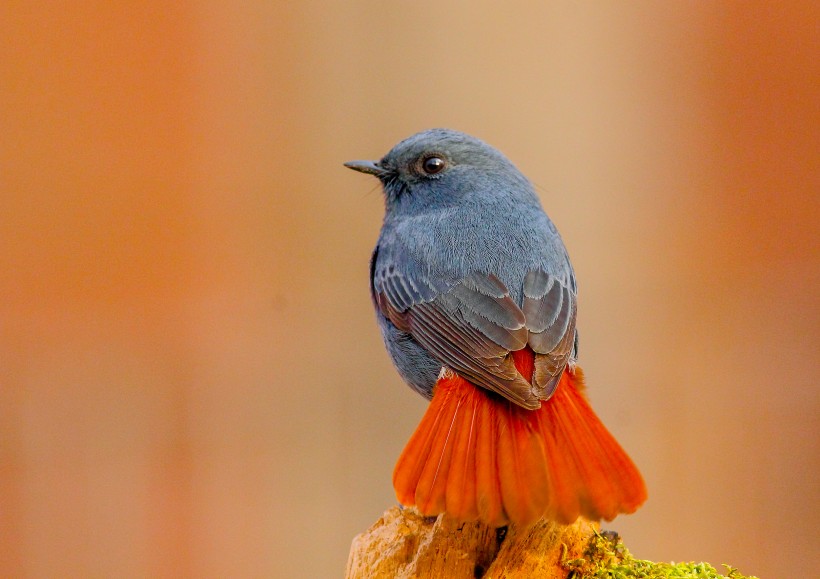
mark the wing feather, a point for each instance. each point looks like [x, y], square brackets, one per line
[550, 307]
[472, 326]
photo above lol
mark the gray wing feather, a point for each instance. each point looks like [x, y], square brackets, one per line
[471, 328]
[500, 310]
[470, 339]
[550, 308]
[473, 325]
[542, 300]
[403, 292]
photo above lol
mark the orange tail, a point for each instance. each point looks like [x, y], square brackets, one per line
[477, 456]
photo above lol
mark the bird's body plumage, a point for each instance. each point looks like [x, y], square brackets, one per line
[470, 278]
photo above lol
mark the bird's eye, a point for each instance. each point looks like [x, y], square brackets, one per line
[432, 165]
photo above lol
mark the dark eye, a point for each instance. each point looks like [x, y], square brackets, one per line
[433, 165]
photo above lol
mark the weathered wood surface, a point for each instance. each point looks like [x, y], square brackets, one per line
[403, 544]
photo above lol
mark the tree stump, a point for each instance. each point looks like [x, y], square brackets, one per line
[403, 544]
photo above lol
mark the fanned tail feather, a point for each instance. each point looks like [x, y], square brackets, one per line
[477, 456]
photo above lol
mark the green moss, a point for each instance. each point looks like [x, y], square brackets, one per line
[606, 557]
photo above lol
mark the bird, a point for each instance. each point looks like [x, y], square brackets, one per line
[476, 301]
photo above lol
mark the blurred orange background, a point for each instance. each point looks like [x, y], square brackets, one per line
[191, 378]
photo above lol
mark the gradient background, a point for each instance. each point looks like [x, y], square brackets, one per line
[191, 379]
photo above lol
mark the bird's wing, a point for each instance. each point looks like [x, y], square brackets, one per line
[550, 309]
[470, 328]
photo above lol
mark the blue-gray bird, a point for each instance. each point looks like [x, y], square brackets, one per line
[476, 300]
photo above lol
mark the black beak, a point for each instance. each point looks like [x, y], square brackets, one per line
[369, 167]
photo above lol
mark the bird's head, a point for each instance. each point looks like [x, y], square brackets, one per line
[440, 168]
